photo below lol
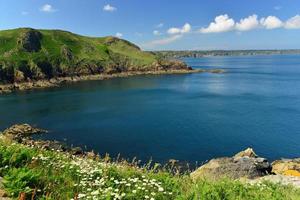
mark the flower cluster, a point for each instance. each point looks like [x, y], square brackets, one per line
[100, 180]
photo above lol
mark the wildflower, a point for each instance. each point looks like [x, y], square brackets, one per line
[95, 193]
[133, 191]
[160, 189]
[146, 197]
[81, 195]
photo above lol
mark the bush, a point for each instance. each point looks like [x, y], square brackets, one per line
[20, 180]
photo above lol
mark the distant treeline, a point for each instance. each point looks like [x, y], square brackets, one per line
[197, 54]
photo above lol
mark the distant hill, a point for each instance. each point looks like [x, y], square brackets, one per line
[28, 54]
[197, 54]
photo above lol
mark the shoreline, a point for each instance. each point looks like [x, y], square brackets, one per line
[59, 81]
[244, 165]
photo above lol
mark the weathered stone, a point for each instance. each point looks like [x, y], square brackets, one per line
[288, 167]
[278, 179]
[66, 52]
[243, 165]
[77, 151]
[30, 40]
[23, 130]
[246, 153]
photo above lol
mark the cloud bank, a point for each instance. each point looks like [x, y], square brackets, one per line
[223, 23]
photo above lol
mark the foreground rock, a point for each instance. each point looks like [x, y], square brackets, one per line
[278, 179]
[287, 167]
[245, 164]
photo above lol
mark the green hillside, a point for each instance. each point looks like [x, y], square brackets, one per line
[28, 54]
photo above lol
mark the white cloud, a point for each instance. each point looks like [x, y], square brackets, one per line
[247, 24]
[185, 29]
[293, 23]
[222, 23]
[156, 32]
[109, 8]
[119, 35]
[48, 8]
[271, 22]
[164, 41]
[160, 25]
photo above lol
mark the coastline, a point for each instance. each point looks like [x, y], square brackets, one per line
[58, 81]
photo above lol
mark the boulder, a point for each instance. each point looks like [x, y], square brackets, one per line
[287, 167]
[19, 131]
[245, 164]
[249, 152]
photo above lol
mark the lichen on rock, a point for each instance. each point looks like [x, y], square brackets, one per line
[288, 167]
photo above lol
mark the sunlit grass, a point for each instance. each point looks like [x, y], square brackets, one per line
[58, 175]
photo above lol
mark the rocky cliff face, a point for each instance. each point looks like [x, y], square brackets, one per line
[29, 40]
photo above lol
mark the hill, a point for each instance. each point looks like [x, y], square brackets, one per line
[199, 54]
[27, 54]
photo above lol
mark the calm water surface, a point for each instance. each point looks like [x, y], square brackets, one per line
[190, 117]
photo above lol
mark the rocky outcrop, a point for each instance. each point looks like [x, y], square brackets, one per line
[30, 40]
[287, 167]
[20, 131]
[245, 164]
[66, 53]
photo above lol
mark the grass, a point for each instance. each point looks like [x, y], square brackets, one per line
[88, 55]
[57, 175]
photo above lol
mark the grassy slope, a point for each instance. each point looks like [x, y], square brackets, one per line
[88, 55]
[55, 175]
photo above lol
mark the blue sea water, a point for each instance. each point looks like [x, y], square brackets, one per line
[190, 117]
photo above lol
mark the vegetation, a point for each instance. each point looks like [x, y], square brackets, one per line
[196, 54]
[29, 54]
[43, 174]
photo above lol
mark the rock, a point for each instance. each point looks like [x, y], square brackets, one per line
[19, 131]
[246, 153]
[66, 53]
[278, 179]
[243, 165]
[287, 167]
[29, 40]
[91, 155]
[76, 151]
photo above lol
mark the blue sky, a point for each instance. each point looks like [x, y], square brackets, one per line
[166, 24]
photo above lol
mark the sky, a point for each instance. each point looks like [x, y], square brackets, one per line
[166, 24]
